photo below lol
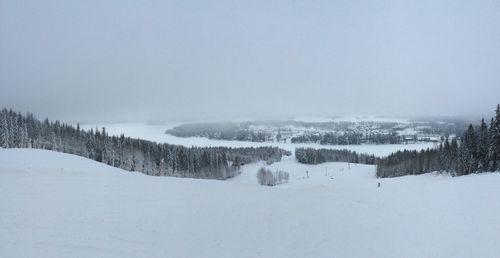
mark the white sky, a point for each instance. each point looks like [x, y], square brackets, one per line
[170, 60]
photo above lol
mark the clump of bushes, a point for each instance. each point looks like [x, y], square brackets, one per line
[270, 178]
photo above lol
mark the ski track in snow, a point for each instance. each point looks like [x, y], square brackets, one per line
[61, 205]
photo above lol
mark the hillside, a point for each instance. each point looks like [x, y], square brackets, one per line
[60, 205]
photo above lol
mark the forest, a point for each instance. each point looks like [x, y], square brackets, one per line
[317, 156]
[157, 159]
[219, 131]
[476, 151]
[349, 138]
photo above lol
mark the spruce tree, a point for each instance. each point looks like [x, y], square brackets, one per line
[4, 130]
[464, 160]
[482, 146]
[495, 136]
[470, 142]
[492, 163]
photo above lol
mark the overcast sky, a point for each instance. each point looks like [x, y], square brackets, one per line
[95, 61]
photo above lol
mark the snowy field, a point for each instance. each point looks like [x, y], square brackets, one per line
[60, 205]
[156, 133]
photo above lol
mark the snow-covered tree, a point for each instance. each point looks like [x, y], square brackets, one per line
[269, 178]
[5, 136]
[482, 146]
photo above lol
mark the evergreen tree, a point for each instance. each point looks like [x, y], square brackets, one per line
[470, 142]
[4, 130]
[317, 156]
[18, 131]
[476, 151]
[482, 146]
[496, 139]
[465, 160]
[492, 154]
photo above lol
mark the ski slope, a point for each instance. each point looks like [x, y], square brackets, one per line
[60, 205]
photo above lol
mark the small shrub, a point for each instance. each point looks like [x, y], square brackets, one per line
[270, 178]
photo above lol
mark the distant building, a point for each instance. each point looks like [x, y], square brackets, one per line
[408, 138]
[429, 137]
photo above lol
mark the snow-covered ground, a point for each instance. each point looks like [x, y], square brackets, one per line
[60, 205]
[157, 133]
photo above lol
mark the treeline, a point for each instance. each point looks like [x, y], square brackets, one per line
[251, 154]
[219, 131]
[25, 131]
[351, 138]
[317, 156]
[476, 151]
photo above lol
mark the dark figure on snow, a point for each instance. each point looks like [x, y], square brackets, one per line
[378, 184]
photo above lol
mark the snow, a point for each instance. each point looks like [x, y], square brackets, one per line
[157, 133]
[60, 205]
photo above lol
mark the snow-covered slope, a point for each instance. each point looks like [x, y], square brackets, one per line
[59, 205]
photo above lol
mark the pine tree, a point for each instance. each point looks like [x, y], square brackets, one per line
[5, 136]
[106, 148]
[470, 142]
[495, 137]
[464, 160]
[482, 146]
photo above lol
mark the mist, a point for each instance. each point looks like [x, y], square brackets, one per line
[115, 61]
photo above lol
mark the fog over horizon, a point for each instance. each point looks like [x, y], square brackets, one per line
[156, 61]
